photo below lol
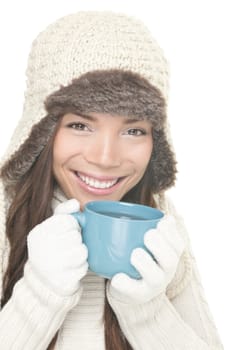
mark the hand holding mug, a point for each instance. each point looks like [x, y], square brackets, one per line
[56, 251]
[157, 271]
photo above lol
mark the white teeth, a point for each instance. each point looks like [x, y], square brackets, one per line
[96, 183]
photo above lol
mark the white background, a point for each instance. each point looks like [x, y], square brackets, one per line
[197, 39]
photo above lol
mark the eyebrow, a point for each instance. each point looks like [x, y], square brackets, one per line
[85, 116]
[133, 120]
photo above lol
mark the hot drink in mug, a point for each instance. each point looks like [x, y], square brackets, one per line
[111, 230]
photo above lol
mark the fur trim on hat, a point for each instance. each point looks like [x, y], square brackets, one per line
[114, 92]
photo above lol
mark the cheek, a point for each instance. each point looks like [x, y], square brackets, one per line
[140, 158]
[62, 148]
[143, 155]
[57, 145]
[58, 156]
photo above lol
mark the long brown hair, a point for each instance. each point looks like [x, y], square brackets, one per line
[31, 205]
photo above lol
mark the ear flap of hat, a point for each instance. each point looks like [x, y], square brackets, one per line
[22, 160]
[163, 163]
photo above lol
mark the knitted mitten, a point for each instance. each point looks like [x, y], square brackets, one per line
[166, 246]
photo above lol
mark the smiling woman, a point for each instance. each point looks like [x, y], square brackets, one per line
[94, 127]
[105, 156]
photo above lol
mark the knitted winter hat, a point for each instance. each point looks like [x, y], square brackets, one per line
[62, 56]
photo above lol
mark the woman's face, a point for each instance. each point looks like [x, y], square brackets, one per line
[100, 156]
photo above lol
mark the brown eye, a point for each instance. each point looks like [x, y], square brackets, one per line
[78, 126]
[136, 132]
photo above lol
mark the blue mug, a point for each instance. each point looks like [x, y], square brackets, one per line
[111, 230]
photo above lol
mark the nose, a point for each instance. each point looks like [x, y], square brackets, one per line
[104, 151]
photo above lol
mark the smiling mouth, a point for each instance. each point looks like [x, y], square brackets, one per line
[97, 183]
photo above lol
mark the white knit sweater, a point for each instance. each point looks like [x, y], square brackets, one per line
[179, 320]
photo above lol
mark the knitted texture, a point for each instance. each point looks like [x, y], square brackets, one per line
[81, 43]
[39, 317]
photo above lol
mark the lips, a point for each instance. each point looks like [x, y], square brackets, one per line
[97, 183]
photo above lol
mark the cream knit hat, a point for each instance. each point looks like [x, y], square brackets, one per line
[81, 43]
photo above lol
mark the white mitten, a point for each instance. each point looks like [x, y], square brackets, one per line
[166, 246]
[56, 251]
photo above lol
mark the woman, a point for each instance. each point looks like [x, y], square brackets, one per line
[94, 127]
